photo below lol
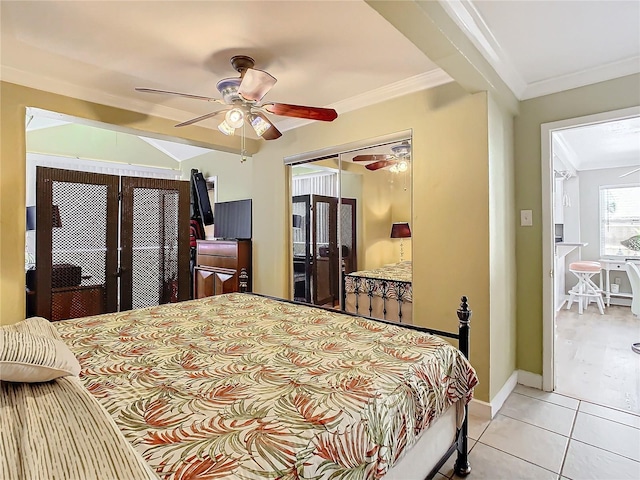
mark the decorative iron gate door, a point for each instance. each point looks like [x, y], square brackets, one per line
[155, 242]
[77, 230]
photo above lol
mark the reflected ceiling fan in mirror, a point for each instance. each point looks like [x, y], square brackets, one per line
[398, 160]
[243, 95]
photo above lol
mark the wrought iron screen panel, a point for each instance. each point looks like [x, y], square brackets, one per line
[155, 242]
[76, 243]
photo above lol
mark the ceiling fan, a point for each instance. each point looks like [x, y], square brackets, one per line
[398, 160]
[243, 96]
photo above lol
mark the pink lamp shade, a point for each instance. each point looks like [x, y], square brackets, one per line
[400, 230]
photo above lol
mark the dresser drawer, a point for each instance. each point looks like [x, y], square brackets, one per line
[217, 261]
[219, 249]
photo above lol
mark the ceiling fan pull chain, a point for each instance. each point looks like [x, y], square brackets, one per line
[243, 150]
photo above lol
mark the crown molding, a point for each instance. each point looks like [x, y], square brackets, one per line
[409, 85]
[467, 17]
[601, 73]
[565, 153]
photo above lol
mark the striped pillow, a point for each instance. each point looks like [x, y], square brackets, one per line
[25, 357]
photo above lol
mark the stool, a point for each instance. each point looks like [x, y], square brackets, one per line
[585, 290]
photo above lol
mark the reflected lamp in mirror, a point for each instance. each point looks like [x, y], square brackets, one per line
[297, 221]
[400, 230]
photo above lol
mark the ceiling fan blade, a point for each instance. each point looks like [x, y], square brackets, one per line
[178, 94]
[255, 84]
[199, 119]
[369, 158]
[378, 165]
[300, 111]
[629, 173]
[272, 132]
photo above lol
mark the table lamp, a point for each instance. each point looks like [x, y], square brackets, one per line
[400, 230]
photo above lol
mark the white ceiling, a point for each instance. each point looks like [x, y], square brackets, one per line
[601, 145]
[339, 54]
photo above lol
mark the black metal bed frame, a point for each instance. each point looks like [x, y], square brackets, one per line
[460, 445]
[365, 287]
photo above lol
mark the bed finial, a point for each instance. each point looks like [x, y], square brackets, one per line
[243, 281]
[464, 314]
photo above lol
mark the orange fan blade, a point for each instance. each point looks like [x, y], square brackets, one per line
[300, 111]
[199, 119]
[178, 94]
[369, 158]
[378, 165]
[255, 84]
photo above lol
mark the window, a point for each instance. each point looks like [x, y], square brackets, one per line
[620, 221]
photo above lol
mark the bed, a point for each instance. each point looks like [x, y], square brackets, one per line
[246, 386]
[384, 293]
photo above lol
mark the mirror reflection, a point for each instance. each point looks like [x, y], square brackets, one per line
[351, 231]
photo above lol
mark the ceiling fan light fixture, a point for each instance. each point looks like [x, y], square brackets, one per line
[225, 128]
[394, 168]
[402, 166]
[234, 118]
[258, 124]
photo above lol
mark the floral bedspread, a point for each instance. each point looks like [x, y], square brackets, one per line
[245, 387]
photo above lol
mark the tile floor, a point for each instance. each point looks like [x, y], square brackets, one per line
[540, 435]
[593, 356]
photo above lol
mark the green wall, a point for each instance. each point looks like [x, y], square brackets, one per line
[601, 97]
[92, 143]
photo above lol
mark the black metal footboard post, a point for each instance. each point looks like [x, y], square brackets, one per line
[462, 467]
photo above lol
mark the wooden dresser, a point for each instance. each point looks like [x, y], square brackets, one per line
[219, 264]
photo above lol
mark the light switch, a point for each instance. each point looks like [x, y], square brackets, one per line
[526, 218]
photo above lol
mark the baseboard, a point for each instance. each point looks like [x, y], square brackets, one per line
[485, 410]
[480, 409]
[529, 379]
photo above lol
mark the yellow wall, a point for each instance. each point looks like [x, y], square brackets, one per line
[450, 223]
[601, 97]
[450, 210]
[502, 246]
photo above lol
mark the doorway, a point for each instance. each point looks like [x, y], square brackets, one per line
[588, 355]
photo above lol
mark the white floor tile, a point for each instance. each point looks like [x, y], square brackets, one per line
[619, 416]
[547, 396]
[440, 477]
[488, 463]
[594, 360]
[586, 462]
[539, 413]
[477, 426]
[528, 442]
[608, 435]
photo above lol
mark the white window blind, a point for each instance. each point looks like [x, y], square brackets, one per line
[620, 221]
[317, 184]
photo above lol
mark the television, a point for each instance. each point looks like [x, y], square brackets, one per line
[233, 220]
[201, 203]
